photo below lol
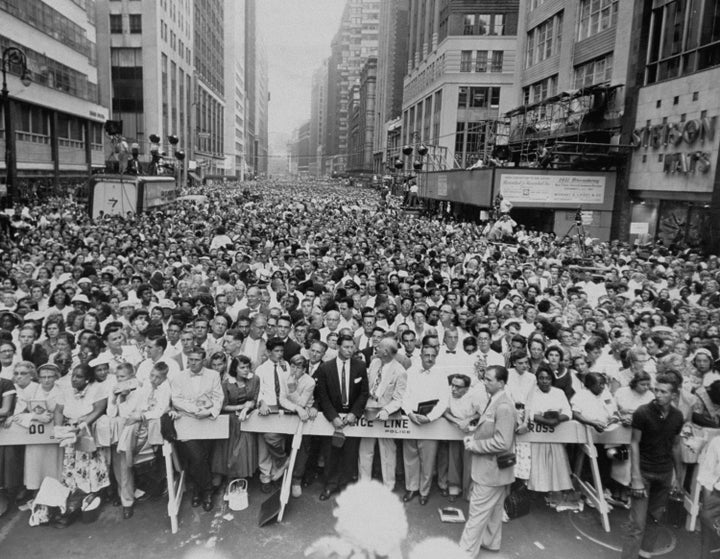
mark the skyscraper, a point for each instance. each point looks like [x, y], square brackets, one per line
[149, 70]
[355, 41]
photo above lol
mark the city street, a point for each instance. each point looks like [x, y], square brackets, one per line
[543, 533]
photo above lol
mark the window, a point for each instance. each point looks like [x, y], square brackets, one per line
[436, 115]
[543, 41]
[498, 26]
[685, 38]
[465, 60]
[497, 61]
[463, 92]
[483, 24]
[478, 97]
[596, 16]
[594, 72]
[116, 23]
[469, 24]
[540, 90]
[135, 23]
[481, 61]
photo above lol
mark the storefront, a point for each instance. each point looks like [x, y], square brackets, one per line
[549, 199]
[674, 162]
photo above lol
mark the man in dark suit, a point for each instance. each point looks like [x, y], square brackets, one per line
[341, 394]
[292, 348]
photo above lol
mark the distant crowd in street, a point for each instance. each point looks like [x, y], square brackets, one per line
[313, 298]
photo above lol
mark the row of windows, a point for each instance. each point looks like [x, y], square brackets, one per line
[481, 61]
[483, 24]
[53, 74]
[479, 97]
[32, 119]
[418, 127]
[52, 23]
[596, 16]
[176, 43]
[134, 23]
[688, 42]
[594, 72]
[544, 40]
[540, 90]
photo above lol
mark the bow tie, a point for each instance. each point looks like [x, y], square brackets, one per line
[450, 352]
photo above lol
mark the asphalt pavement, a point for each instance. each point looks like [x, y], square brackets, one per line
[222, 534]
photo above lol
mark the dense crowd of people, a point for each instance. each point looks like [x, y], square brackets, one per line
[314, 298]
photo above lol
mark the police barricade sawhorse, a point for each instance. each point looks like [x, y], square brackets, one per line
[396, 427]
[400, 427]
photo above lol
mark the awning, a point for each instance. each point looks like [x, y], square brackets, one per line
[194, 176]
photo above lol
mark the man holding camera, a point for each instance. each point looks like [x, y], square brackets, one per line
[492, 471]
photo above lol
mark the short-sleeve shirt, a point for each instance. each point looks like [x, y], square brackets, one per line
[658, 437]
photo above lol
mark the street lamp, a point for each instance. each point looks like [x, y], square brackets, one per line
[14, 56]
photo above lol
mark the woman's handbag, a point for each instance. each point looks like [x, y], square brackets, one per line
[517, 504]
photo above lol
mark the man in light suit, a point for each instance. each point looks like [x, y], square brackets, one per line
[495, 435]
[387, 380]
[342, 388]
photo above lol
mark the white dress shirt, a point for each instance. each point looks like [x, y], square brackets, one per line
[425, 385]
[193, 393]
[266, 374]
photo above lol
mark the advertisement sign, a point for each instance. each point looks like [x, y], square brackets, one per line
[553, 189]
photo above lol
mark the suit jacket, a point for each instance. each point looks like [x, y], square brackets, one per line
[328, 394]
[365, 355]
[36, 354]
[495, 434]
[292, 348]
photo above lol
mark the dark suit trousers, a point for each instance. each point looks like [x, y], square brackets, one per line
[341, 464]
[196, 457]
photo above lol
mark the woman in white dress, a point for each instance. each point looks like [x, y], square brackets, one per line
[548, 406]
[36, 407]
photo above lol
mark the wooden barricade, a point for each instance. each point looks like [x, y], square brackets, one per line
[691, 499]
[395, 427]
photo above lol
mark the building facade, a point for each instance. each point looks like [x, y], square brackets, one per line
[362, 121]
[674, 178]
[318, 118]
[392, 61]
[460, 72]
[145, 57]
[234, 76]
[209, 103]
[355, 41]
[57, 120]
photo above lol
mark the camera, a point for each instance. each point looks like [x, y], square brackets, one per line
[619, 453]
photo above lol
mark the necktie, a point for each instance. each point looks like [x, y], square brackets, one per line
[367, 343]
[343, 386]
[376, 384]
[277, 382]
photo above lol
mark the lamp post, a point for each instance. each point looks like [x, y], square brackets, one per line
[11, 55]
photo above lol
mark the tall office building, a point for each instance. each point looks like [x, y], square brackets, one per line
[209, 60]
[145, 58]
[318, 118]
[257, 94]
[460, 69]
[355, 41]
[362, 120]
[262, 99]
[57, 120]
[235, 99]
[392, 60]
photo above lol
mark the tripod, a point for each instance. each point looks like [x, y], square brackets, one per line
[579, 229]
